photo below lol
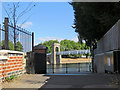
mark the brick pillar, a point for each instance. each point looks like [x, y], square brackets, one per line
[40, 59]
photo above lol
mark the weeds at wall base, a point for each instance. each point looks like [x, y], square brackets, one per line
[11, 78]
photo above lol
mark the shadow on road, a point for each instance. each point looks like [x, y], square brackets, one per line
[81, 81]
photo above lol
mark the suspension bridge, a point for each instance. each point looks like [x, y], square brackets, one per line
[55, 56]
[73, 52]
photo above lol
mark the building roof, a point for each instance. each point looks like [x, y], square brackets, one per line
[40, 46]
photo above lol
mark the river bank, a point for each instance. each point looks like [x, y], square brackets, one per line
[76, 60]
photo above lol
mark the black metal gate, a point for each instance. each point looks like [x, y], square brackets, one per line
[15, 38]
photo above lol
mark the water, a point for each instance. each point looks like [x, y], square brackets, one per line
[70, 68]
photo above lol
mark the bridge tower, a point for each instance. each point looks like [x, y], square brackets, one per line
[55, 58]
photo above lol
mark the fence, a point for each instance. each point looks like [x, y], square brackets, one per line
[68, 68]
[15, 38]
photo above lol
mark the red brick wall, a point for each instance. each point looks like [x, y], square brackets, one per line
[40, 50]
[12, 66]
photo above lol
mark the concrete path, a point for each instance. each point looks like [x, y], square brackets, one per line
[37, 81]
[79, 81]
[27, 81]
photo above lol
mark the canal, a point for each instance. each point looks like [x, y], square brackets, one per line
[69, 68]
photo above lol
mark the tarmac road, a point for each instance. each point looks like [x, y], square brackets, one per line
[41, 81]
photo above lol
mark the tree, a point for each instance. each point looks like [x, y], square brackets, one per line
[19, 46]
[14, 15]
[49, 44]
[66, 45]
[11, 45]
[93, 19]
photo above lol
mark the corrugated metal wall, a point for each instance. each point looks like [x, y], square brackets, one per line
[106, 46]
[110, 41]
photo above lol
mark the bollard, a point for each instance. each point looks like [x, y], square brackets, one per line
[66, 68]
[53, 67]
[90, 67]
[86, 66]
[78, 67]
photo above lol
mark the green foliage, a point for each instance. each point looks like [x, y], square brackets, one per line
[66, 45]
[19, 46]
[12, 77]
[71, 45]
[49, 44]
[94, 19]
[11, 45]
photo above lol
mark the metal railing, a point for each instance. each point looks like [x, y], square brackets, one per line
[15, 38]
[68, 68]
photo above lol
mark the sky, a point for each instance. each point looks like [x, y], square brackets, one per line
[48, 20]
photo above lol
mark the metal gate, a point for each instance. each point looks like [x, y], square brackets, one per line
[15, 38]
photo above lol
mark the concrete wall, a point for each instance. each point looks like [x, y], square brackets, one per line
[30, 63]
[109, 42]
[99, 63]
[109, 61]
[11, 62]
